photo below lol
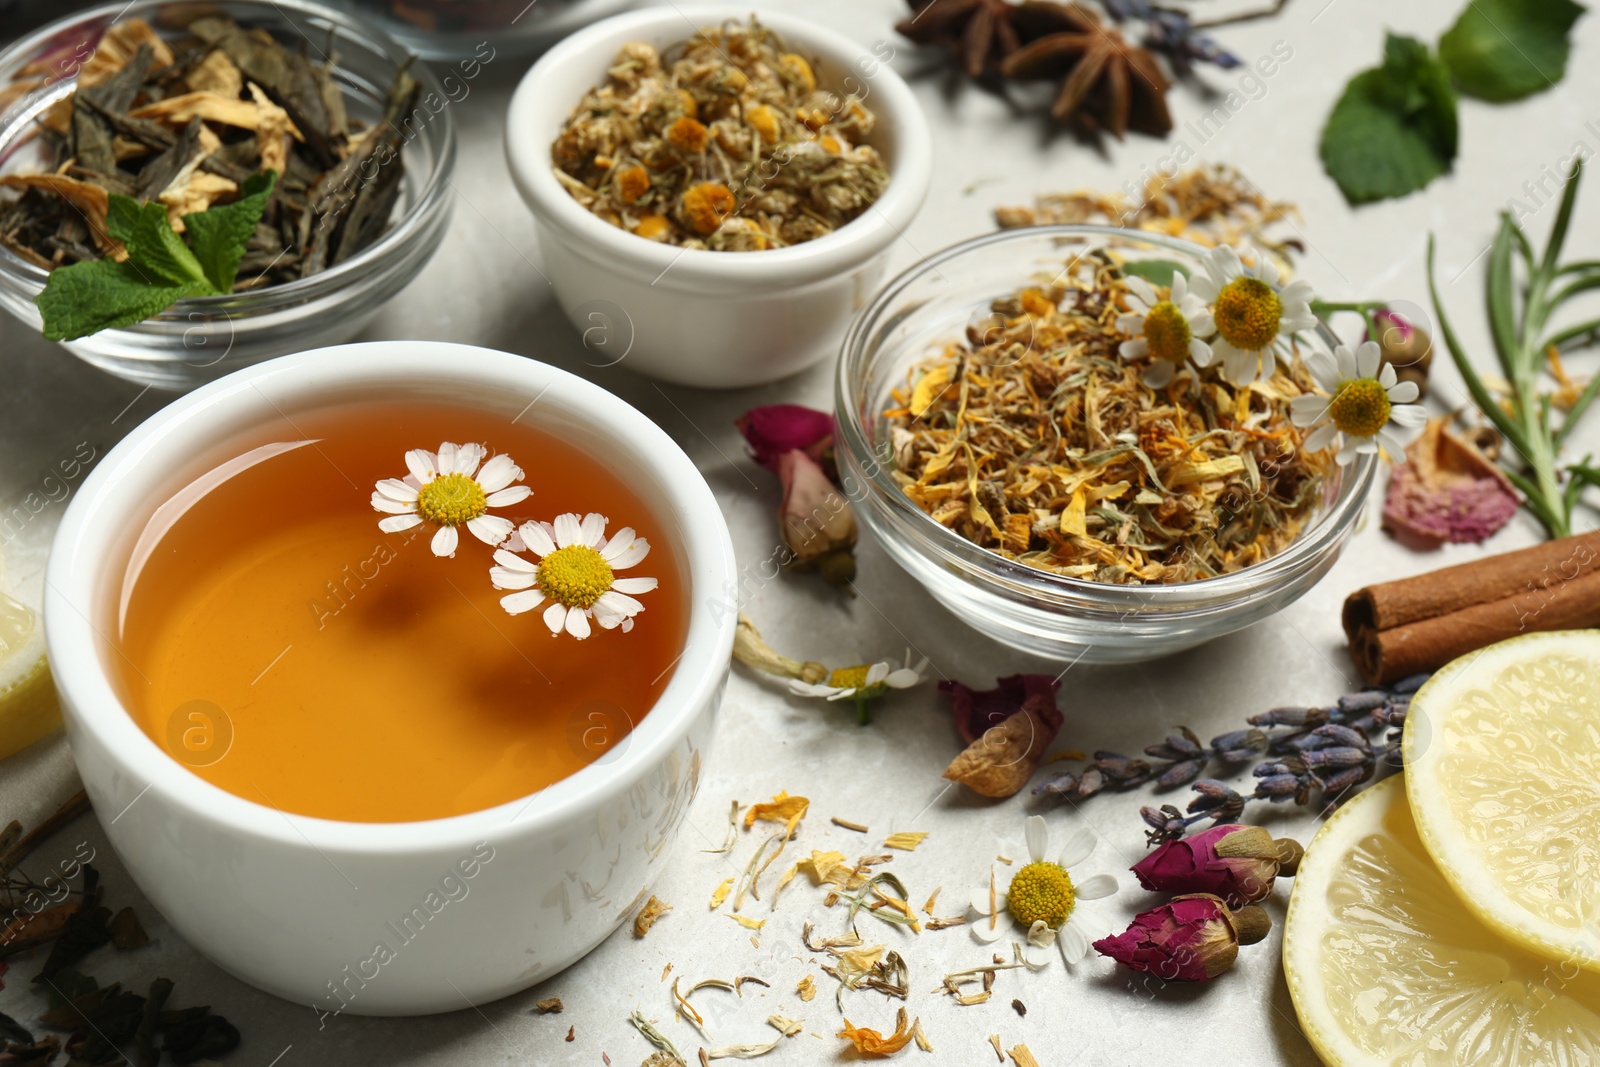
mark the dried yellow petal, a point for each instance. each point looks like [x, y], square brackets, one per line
[747, 922]
[930, 387]
[807, 988]
[906, 840]
[653, 909]
[872, 1043]
[1023, 1057]
[721, 893]
[783, 808]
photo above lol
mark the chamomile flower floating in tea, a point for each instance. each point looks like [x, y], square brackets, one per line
[861, 683]
[1365, 404]
[1250, 312]
[441, 489]
[1041, 899]
[1165, 329]
[576, 570]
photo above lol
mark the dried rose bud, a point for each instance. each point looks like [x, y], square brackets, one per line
[976, 710]
[778, 428]
[1236, 863]
[1189, 939]
[815, 517]
[1404, 346]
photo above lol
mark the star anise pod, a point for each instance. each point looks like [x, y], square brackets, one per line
[1106, 82]
[981, 32]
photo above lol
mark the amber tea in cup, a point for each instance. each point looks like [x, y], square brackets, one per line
[311, 620]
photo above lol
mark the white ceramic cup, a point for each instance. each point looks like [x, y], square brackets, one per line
[468, 908]
[691, 316]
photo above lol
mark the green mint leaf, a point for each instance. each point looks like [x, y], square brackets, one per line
[102, 294]
[218, 235]
[1394, 129]
[1503, 50]
[156, 253]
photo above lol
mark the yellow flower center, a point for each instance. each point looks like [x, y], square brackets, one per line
[575, 576]
[451, 499]
[849, 677]
[1247, 313]
[1360, 407]
[1167, 332]
[1041, 890]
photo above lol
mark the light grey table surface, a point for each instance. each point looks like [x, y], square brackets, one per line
[484, 287]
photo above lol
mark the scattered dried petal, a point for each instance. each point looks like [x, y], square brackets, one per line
[1446, 491]
[1023, 1057]
[747, 922]
[872, 1043]
[906, 841]
[548, 1006]
[783, 808]
[653, 909]
[859, 828]
[1000, 762]
[720, 894]
[807, 988]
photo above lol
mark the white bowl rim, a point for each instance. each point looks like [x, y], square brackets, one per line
[910, 167]
[88, 533]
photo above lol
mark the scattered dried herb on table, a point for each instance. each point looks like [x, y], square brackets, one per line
[1034, 439]
[1210, 204]
[185, 123]
[724, 142]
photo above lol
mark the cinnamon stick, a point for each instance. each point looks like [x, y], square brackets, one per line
[1400, 628]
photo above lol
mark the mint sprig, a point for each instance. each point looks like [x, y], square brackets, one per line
[1502, 50]
[161, 269]
[1394, 130]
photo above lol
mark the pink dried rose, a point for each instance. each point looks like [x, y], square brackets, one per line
[1237, 863]
[1446, 490]
[977, 710]
[772, 430]
[817, 524]
[1188, 939]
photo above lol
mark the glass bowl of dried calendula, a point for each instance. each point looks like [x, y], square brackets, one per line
[725, 188]
[1083, 440]
[188, 187]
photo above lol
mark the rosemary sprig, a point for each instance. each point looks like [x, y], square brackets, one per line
[1519, 315]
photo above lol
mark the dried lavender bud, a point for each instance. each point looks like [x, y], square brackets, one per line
[1090, 783]
[1239, 745]
[1365, 701]
[1336, 757]
[1293, 766]
[1121, 769]
[1409, 684]
[1166, 823]
[1278, 787]
[1181, 773]
[1337, 784]
[1290, 716]
[1058, 785]
[1216, 800]
[1334, 733]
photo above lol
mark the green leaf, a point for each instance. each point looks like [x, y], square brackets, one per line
[102, 294]
[1558, 229]
[1394, 129]
[1501, 301]
[1506, 49]
[155, 253]
[1154, 271]
[1480, 393]
[218, 235]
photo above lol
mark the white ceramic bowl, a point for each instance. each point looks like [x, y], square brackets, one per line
[298, 905]
[691, 316]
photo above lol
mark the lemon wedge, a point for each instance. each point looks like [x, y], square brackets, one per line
[1387, 966]
[1502, 752]
[28, 708]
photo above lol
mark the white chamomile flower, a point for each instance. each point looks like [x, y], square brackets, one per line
[576, 570]
[1041, 899]
[862, 683]
[1168, 330]
[441, 489]
[1364, 405]
[1249, 311]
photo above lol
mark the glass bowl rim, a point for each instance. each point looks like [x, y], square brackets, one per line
[374, 258]
[933, 538]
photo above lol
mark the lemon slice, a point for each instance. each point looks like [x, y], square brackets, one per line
[1502, 752]
[1387, 966]
[28, 708]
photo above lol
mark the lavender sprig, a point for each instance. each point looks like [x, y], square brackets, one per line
[1321, 752]
[1173, 34]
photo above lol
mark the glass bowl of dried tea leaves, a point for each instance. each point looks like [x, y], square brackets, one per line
[1007, 455]
[196, 108]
